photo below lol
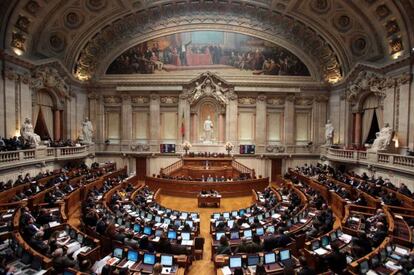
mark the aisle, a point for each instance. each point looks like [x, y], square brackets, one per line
[204, 266]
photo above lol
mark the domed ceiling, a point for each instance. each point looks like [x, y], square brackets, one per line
[328, 36]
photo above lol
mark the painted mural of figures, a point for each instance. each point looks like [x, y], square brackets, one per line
[208, 49]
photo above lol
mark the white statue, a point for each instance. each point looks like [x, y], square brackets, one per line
[208, 130]
[384, 137]
[329, 132]
[28, 134]
[87, 131]
[198, 91]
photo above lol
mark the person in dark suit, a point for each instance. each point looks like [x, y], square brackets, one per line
[183, 54]
[224, 247]
[164, 245]
[282, 239]
[61, 261]
[305, 269]
[269, 242]
[336, 260]
[242, 247]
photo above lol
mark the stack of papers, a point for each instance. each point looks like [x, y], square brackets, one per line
[321, 251]
[346, 238]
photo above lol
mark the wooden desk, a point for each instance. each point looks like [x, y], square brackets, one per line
[193, 188]
[206, 200]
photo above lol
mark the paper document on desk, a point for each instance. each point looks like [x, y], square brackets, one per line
[371, 272]
[226, 270]
[321, 251]
[72, 247]
[276, 216]
[345, 238]
[53, 224]
[401, 251]
[392, 265]
[187, 242]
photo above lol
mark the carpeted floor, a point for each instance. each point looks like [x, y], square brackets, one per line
[204, 266]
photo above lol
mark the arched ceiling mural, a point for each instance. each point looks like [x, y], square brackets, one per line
[329, 36]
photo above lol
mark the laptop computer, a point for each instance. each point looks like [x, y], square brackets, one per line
[235, 262]
[172, 235]
[132, 258]
[117, 255]
[219, 234]
[186, 238]
[252, 262]
[234, 235]
[147, 230]
[285, 258]
[167, 264]
[260, 231]
[148, 262]
[247, 234]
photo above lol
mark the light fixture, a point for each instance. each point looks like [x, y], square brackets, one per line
[396, 143]
[18, 51]
[396, 55]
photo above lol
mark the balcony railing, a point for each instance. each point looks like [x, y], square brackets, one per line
[40, 154]
[392, 161]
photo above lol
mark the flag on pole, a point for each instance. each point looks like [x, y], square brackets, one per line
[182, 127]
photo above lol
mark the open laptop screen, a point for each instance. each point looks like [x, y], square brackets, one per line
[149, 258]
[132, 255]
[166, 260]
[235, 262]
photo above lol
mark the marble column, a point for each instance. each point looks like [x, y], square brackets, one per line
[194, 125]
[231, 119]
[260, 135]
[26, 99]
[403, 117]
[358, 128]
[93, 114]
[221, 128]
[126, 121]
[155, 122]
[100, 120]
[10, 103]
[319, 119]
[289, 123]
[2, 95]
[56, 125]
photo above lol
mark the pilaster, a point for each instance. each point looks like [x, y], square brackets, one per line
[289, 122]
[154, 121]
[126, 120]
[260, 123]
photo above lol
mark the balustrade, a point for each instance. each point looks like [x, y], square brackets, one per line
[40, 154]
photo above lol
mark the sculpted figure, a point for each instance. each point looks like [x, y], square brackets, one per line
[28, 134]
[208, 129]
[384, 137]
[87, 131]
[329, 132]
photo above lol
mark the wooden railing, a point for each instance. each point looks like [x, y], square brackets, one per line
[242, 168]
[171, 168]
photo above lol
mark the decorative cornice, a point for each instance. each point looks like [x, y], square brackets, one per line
[140, 99]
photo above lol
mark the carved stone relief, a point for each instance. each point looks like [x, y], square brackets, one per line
[140, 99]
[112, 99]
